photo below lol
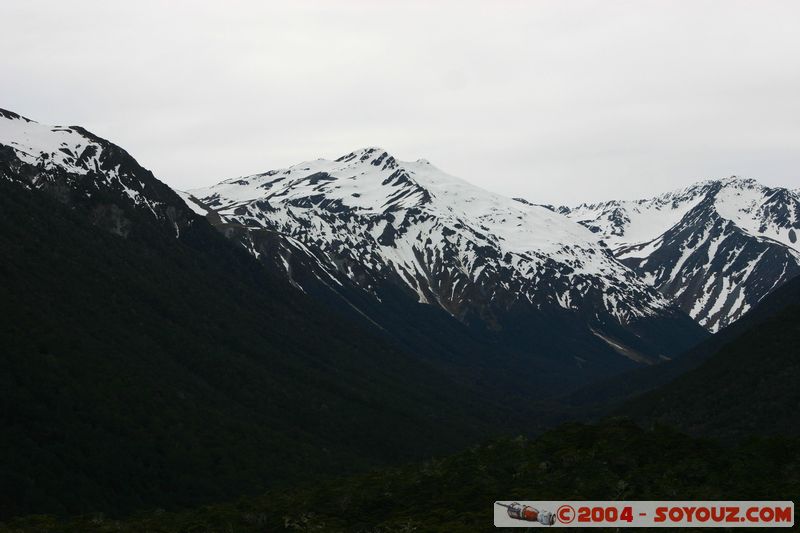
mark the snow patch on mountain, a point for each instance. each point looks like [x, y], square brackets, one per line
[748, 204]
[627, 222]
[192, 203]
[50, 146]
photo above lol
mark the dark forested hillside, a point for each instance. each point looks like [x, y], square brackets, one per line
[607, 395]
[146, 370]
[613, 460]
[750, 384]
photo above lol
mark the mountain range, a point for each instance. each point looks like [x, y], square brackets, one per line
[473, 282]
[341, 314]
[716, 248]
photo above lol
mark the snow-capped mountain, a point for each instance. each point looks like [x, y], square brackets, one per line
[444, 239]
[78, 167]
[375, 223]
[716, 248]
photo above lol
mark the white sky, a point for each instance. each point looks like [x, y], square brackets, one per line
[556, 101]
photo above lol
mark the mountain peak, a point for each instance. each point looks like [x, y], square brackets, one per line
[79, 164]
[369, 153]
[738, 181]
[10, 115]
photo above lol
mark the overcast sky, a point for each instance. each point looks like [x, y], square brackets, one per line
[556, 101]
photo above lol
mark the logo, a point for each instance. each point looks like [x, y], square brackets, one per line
[620, 514]
[527, 513]
[566, 514]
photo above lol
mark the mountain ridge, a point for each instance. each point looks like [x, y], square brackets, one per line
[716, 247]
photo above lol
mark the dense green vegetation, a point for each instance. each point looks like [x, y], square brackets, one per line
[748, 387]
[150, 371]
[613, 460]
